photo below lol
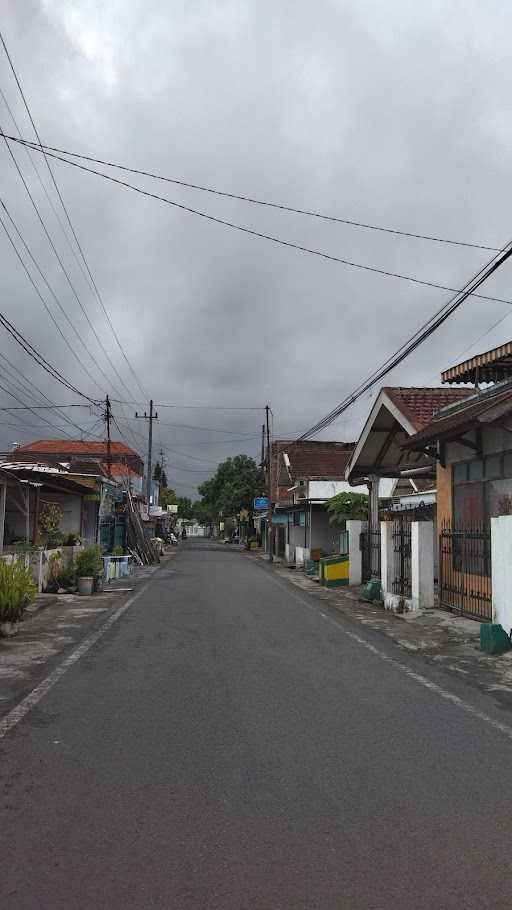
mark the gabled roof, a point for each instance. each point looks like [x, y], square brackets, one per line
[480, 408]
[398, 413]
[76, 447]
[419, 405]
[315, 460]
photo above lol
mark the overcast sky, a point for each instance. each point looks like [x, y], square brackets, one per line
[395, 114]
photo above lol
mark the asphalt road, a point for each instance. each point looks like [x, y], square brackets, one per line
[229, 743]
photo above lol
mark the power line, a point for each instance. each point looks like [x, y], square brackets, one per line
[75, 236]
[427, 329]
[273, 239]
[40, 360]
[273, 205]
[43, 301]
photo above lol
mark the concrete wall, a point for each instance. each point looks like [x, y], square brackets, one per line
[324, 534]
[501, 559]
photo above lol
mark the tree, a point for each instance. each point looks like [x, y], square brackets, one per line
[184, 507]
[167, 497]
[159, 475]
[345, 506]
[235, 484]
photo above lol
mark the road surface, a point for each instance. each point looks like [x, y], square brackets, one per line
[230, 743]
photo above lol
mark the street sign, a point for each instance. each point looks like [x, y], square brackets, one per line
[261, 502]
[172, 509]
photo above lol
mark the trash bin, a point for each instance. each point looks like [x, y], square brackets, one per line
[334, 571]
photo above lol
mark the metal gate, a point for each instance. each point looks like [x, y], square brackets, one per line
[401, 535]
[465, 580]
[369, 543]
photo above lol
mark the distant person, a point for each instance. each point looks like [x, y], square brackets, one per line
[184, 534]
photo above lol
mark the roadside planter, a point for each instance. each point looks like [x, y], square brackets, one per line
[85, 584]
[89, 567]
[334, 571]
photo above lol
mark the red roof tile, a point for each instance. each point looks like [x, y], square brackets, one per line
[120, 470]
[76, 447]
[311, 460]
[467, 416]
[419, 405]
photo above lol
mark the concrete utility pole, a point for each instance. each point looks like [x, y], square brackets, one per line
[270, 542]
[108, 418]
[152, 416]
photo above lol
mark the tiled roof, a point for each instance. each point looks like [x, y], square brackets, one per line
[121, 470]
[461, 419]
[310, 460]
[419, 405]
[76, 447]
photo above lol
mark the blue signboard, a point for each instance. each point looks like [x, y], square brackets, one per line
[261, 502]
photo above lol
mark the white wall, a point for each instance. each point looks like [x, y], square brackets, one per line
[501, 561]
[326, 489]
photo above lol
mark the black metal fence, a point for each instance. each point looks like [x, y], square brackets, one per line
[370, 550]
[465, 581]
[401, 535]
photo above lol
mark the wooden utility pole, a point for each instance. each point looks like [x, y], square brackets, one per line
[151, 417]
[270, 530]
[262, 462]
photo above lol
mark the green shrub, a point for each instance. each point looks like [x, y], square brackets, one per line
[50, 518]
[89, 562]
[118, 551]
[17, 590]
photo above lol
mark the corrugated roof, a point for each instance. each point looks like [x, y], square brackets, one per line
[419, 405]
[76, 447]
[491, 366]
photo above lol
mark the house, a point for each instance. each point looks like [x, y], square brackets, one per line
[70, 450]
[398, 414]
[470, 441]
[107, 475]
[306, 475]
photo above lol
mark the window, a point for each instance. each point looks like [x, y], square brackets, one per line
[482, 489]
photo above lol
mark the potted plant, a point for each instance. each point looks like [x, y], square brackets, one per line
[89, 567]
[17, 590]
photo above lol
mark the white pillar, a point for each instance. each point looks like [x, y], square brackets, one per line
[501, 560]
[387, 563]
[422, 564]
[355, 556]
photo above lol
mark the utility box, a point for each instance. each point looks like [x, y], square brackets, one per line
[334, 571]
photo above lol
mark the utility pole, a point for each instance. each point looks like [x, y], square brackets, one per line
[108, 418]
[270, 530]
[262, 462]
[151, 417]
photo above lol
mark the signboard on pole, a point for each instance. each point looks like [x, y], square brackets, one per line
[260, 503]
[172, 509]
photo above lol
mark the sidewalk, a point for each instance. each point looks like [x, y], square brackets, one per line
[449, 641]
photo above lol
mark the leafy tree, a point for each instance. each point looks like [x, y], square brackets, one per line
[184, 507]
[235, 484]
[345, 506]
[167, 496]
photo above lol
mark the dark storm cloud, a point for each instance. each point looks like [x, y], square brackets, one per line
[395, 114]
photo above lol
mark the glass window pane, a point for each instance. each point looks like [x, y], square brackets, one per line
[476, 470]
[460, 473]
